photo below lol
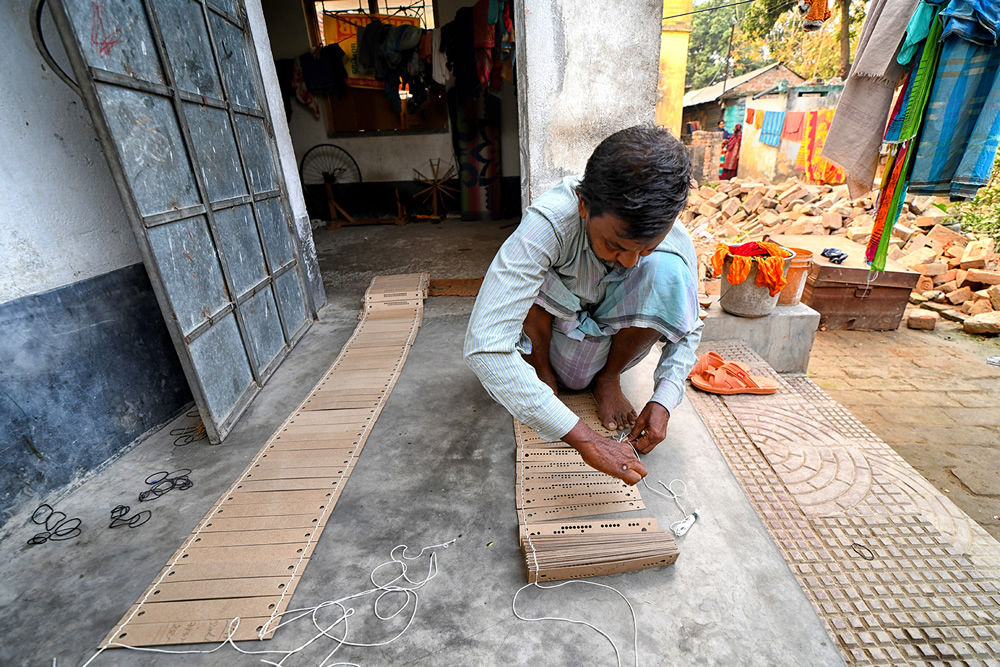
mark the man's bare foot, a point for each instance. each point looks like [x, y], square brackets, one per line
[614, 409]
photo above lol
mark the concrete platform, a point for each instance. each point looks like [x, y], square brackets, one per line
[783, 339]
[438, 465]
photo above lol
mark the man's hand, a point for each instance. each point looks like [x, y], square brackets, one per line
[606, 455]
[650, 428]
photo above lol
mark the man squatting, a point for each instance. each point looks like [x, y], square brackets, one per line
[597, 271]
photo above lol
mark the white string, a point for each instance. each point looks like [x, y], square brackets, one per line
[391, 586]
[681, 527]
[534, 557]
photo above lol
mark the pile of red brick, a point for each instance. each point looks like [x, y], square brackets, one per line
[960, 274]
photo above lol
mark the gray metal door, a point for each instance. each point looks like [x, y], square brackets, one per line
[177, 98]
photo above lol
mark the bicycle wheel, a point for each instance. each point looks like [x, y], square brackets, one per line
[327, 161]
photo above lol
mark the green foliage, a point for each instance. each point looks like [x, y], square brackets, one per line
[982, 214]
[709, 44]
[762, 15]
[767, 31]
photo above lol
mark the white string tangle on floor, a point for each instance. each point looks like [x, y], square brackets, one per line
[397, 557]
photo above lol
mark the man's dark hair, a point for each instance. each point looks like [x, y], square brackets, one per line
[640, 175]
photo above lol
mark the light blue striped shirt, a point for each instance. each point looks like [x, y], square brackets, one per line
[552, 237]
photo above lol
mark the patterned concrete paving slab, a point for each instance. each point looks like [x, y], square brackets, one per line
[897, 572]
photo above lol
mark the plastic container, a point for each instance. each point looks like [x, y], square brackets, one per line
[798, 270]
[746, 299]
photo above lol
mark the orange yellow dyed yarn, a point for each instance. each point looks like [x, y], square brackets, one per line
[770, 258]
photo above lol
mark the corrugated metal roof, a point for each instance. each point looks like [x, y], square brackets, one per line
[712, 93]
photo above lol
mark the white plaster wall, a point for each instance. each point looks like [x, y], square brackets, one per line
[286, 153]
[758, 160]
[586, 69]
[61, 220]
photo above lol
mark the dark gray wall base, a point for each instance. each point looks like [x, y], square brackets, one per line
[84, 370]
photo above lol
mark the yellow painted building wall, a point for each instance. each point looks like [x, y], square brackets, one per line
[673, 64]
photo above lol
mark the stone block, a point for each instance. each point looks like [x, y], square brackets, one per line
[979, 307]
[924, 284]
[769, 218]
[982, 277]
[917, 299]
[993, 292]
[959, 296]
[955, 251]
[707, 210]
[753, 201]
[934, 269]
[918, 258]
[977, 253]
[986, 323]
[924, 320]
[947, 276]
[731, 206]
[706, 192]
[832, 220]
[902, 232]
[946, 236]
[921, 204]
[925, 221]
[718, 199]
[947, 287]
[784, 338]
[954, 315]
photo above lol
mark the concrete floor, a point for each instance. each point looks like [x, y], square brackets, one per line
[438, 465]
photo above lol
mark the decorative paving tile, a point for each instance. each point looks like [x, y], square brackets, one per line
[897, 572]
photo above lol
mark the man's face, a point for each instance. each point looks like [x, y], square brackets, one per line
[722, 125]
[606, 232]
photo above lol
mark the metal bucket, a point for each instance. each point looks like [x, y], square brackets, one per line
[746, 299]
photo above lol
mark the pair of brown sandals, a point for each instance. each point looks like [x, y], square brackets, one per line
[715, 375]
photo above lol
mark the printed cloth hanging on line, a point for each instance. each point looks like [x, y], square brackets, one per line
[770, 133]
[794, 124]
[962, 127]
[750, 116]
[817, 168]
[903, 128]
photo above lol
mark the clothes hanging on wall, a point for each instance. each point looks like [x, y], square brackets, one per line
[457, 43]
[809, 158]
[794, 123]
[292, 84]
[323, 70]
[439, 68]
[750, 116]
[770, 133]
